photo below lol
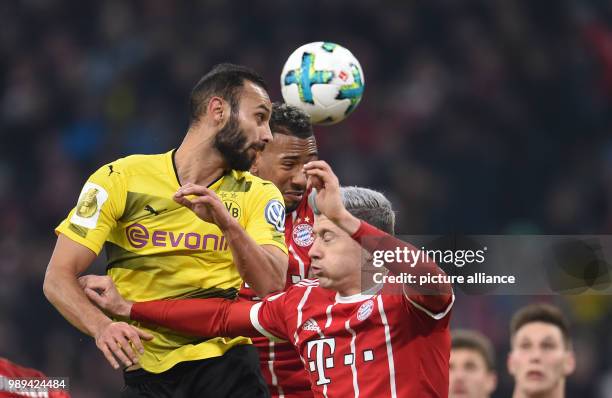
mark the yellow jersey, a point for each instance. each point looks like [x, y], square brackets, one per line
[158, 249]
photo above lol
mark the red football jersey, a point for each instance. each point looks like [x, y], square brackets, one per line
[379, 345]
[280, 364]
[10, 370]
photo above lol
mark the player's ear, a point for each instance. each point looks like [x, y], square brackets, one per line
[510, 363]
[255, 167]
[218, 109]
[491, 382]
[569, 363]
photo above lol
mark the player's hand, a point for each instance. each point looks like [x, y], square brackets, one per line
[121, 342]
[101, 290]
[328, 200]
[206, 204]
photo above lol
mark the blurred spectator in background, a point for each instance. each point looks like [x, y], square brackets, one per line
[541, 355]
[472, 365]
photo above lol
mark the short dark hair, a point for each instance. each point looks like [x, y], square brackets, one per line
[290, 120]
[224, 80]
[541, 312]
[473, 340]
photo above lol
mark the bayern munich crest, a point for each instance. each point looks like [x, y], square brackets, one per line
[365, 310]
[303, 235]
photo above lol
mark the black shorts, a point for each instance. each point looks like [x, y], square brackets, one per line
[235, 374]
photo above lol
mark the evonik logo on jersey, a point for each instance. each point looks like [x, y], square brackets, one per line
[139, 236]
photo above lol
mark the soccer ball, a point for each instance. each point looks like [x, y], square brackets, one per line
[324, 80]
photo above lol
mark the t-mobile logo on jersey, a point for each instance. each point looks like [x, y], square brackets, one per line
[319, 362]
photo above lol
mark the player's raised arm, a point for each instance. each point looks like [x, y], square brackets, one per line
[263, 267]
[435, 298]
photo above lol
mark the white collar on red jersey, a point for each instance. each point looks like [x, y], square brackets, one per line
[355, 298]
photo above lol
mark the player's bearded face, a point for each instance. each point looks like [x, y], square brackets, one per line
[231, 142]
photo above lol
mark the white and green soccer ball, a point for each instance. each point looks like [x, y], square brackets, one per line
[323, 79]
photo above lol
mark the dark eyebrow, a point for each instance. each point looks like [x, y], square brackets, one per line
[264, 107]
[323, 231]
[297, 157]
[290, 157]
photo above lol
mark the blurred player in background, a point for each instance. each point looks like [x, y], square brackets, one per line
[282, 162]
[472, 365]
[541, 355]
[11, 371]
[352, 342]
[139, 207]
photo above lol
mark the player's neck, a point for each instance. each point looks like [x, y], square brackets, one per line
[348, 291]
[197, 161]
[557, 392]
[355, 289]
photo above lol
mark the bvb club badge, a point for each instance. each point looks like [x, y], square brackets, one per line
[88, 204]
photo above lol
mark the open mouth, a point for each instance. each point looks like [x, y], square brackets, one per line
[294, 195]
[535, 375]
[316, 271]
[459, 388]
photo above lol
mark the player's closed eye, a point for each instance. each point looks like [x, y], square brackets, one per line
[327, 236]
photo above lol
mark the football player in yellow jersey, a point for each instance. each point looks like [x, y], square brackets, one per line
[140, 209]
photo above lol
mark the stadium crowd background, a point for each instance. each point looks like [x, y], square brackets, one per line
[486, 117]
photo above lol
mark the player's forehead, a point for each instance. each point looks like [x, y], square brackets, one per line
[254, 96]
[323, 224]
[537, 332]
[464, 355]
[288, 146]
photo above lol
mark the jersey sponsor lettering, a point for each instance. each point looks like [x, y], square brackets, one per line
[140, 236]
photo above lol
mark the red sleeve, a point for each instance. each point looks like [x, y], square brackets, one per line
[434, 299]
[269, 316]
[198, 317]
